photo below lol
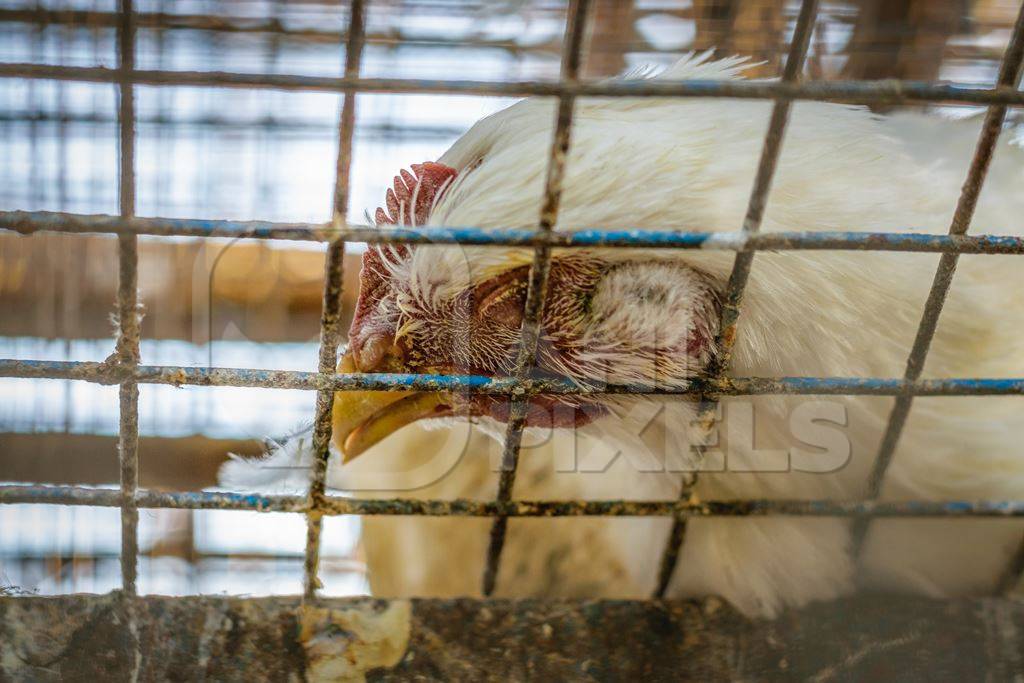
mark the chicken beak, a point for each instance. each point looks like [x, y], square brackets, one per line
[363, 418]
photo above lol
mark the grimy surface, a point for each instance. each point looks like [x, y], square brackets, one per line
[84, 637]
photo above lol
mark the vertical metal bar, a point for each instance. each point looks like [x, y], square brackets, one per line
[330, 321]
[1011, 575]
[763, 181]
[1009, 74]
[572, 50]
[740, 274]
[127, 351]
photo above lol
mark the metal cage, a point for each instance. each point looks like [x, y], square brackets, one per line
[125, 369]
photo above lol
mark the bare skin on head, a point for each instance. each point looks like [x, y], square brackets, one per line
[476, 331]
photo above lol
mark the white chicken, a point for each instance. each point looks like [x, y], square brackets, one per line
[649, 317]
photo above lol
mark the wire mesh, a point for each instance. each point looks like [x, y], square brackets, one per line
[124, 369]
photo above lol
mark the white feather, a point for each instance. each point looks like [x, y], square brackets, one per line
[284, 468]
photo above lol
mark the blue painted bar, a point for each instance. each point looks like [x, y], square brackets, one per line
[45, 221]
[283, 379]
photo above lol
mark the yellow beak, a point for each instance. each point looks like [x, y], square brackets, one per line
[364, 418]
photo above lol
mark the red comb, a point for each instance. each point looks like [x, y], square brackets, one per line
[413, 195]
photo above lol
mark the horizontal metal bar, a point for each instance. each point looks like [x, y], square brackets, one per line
[340, 505]
[103, 373]
[25, 222]
[859, 92]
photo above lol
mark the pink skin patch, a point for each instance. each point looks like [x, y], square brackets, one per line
[542, 411]
[410, 201]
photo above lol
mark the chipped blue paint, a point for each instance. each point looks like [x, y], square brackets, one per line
[893, 387]
[41, 221]
[283, 379]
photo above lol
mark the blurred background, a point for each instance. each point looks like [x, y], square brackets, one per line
[260, 154]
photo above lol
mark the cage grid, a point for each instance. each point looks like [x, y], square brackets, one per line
[124, 367]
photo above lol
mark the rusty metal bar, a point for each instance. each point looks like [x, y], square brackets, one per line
[1009, 73]
[127, 353]
[762, 186]
[1011, 576]
[27, 223]
[572, 51]
[461, 507]
[330, 321]
[726, 337]
[854, 92]
[112, 373]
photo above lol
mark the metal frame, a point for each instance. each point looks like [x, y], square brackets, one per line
[123, 366]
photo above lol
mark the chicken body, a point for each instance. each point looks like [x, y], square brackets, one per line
[689, 164]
